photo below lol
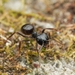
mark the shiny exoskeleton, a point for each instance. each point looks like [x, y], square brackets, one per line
[27, 29]
[42, 39]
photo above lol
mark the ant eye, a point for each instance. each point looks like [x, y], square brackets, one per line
[27, 29]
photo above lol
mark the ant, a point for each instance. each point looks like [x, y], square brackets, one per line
[41, 38]
[28, 29]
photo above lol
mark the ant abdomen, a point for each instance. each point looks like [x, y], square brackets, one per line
[27, 29]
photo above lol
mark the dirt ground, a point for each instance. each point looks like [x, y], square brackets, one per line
[18, 55]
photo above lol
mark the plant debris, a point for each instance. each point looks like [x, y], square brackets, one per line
[19, 56]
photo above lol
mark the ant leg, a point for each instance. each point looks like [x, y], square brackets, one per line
[39, 52]
[22, 34]
[19, 33]
[36, 45]
[37, 48]
[11, 36]
[49, 29]
[16, 33]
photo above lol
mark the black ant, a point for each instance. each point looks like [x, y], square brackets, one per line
[28, 29]
[41, 38]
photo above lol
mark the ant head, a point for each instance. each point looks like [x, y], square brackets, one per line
[27, 29]
[42, 39]
[34, 34]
